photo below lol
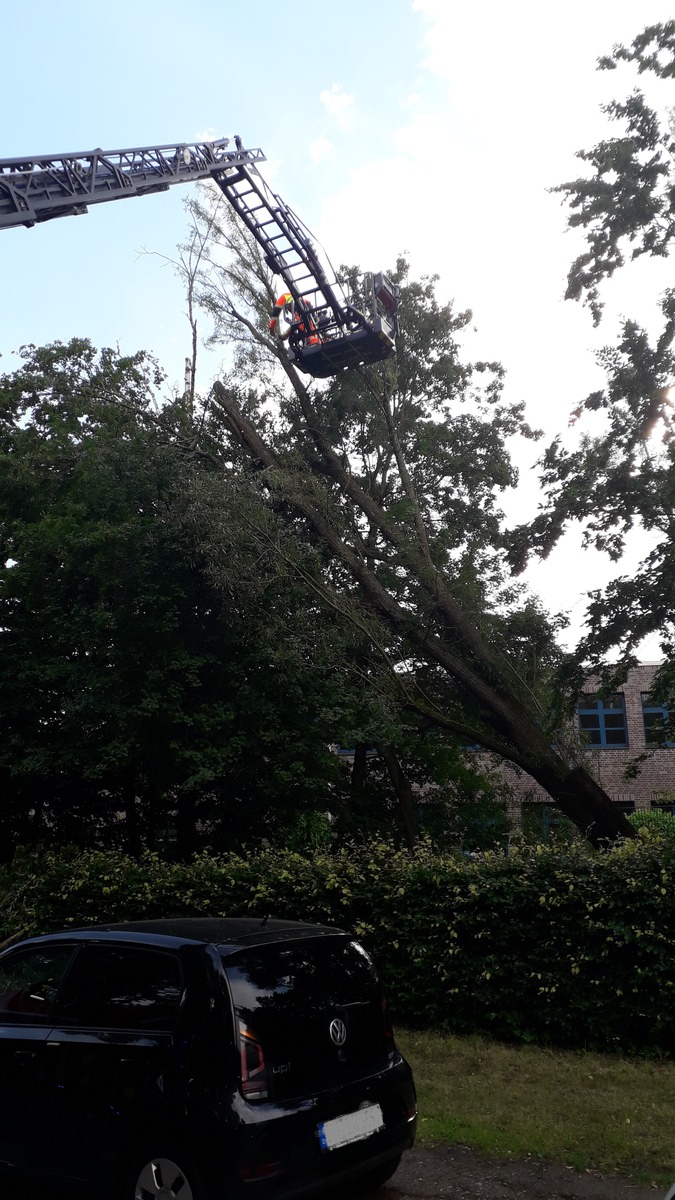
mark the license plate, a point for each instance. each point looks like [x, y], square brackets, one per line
[353, 1127]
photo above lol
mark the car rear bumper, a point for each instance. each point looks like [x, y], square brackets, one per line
[288, 1146]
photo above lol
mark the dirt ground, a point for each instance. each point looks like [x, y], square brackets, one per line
[457, 1173]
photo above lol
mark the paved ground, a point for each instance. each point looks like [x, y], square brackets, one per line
[457, 1173]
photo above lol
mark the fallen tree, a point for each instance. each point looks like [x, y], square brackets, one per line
[379, 490]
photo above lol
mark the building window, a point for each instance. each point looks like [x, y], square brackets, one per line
[540, 819]
[655, 717]
[663, 801]
[624, 801]
[602, 719]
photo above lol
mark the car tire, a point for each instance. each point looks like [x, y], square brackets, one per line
[379, 1176]
[167, 1173]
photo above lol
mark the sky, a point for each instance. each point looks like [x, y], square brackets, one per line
[429, 127]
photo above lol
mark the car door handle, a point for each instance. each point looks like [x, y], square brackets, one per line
[25, 1056]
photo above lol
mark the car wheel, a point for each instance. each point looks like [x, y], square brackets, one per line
[379, 1176]
[166, 1177]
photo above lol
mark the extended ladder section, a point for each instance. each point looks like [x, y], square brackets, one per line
[329, 333]
[61, 185]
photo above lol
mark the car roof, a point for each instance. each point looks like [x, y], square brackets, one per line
[227, 933]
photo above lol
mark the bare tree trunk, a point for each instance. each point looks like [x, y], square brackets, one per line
[404, 794]
[359, 774]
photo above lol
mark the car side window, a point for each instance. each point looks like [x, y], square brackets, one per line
[29, 982]
[120, 987]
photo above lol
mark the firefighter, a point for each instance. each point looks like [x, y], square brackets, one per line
[285, 317]
[282, 316]
[306, 327]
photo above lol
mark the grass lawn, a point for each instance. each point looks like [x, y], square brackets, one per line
[584, 1110]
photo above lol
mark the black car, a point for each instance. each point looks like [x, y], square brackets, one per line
[200, 1059]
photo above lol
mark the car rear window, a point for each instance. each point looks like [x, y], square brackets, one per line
[309, 976]
[286, 997]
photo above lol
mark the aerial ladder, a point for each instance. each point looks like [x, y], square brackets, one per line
[328, 333]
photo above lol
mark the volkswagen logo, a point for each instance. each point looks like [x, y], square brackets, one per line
[338, 1032]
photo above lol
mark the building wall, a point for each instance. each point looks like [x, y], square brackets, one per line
[655, 783]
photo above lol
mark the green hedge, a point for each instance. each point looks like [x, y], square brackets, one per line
[552, 944]
[658, 823]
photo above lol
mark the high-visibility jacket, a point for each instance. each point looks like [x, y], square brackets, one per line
[282, 329]
[284, 301]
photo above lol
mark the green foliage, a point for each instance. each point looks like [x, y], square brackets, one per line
[656, 825]
[162, 682]
[382, 491]
[628, 200]
[141, 706]
[550, 944]
[543, 823]
[308, 833]
[620, 478]
[468, 813]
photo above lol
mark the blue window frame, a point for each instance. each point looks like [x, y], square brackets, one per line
[655, 717]
[602, 719]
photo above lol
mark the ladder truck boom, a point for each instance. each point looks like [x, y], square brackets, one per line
[59, 185]
[329, 333]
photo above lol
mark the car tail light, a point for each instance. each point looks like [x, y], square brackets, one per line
[263, 1171]
[254, 1074]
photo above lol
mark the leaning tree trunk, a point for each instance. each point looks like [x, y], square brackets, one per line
[568, 784]
[510, 726]
[581, 799]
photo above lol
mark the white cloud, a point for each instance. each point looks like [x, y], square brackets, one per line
[208, 135]
[338, 104]
[526, 73]
[321, 150]
[482, 218]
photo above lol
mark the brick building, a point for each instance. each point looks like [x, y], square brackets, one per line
[617, 729]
